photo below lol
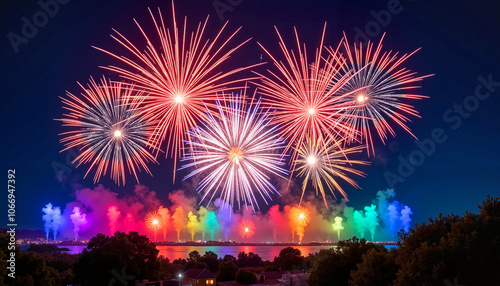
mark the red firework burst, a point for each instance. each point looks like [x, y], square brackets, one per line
[180, 77]
[305, 103]
[246, 228]
[382, 87]
[153, 222]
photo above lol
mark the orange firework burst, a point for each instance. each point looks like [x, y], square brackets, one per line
[153, 221]
[301, 93]
[246, 228]
[300, 215]
[382, 87]
[108, 134]
[180, 77]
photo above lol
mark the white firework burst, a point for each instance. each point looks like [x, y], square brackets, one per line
[106, 130]
[238, 149]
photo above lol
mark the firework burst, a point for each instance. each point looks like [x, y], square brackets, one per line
[320, 164]
[382, 88]
[180, 76]
[246, 228]
[306, 103]
[300, 215]
[153, 222]
[238, 151]
[108, 135]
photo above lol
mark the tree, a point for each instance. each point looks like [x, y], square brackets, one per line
[245, 277]
[132, 255]
[196, 261]
[31, 270]
[377, 268]
[194, 256]
[229, 257]
[451, 247]
[210, 258]
[248, 260]
[227, 271]
[254, 260]
[177, 266]
[333, 266]
[289, 259]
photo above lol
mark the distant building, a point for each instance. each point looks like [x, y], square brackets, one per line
[198, 277]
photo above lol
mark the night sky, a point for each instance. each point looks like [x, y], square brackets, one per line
[460, 44]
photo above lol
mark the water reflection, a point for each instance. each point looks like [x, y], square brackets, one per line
[266, 252]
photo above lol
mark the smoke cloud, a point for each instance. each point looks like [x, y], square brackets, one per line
[52, 219]
[182, 219]
[78, 219]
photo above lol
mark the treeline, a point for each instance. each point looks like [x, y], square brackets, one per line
[448, 250]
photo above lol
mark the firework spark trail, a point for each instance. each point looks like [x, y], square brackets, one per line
[238, 151]
[246, 228]
[104, 127]
[382, 88]
[180, 77]
[306, 104]
[324, 163]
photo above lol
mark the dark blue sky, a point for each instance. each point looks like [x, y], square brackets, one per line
[460, 42]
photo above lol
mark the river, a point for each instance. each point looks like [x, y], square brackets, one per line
[266, 252]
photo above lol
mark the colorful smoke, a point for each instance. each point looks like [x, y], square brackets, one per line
[78, 219]
[276, 219]
[337, 226]
[193, 224]
[180, 219]
[52, 220]
[113, 215]
[165, 218]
